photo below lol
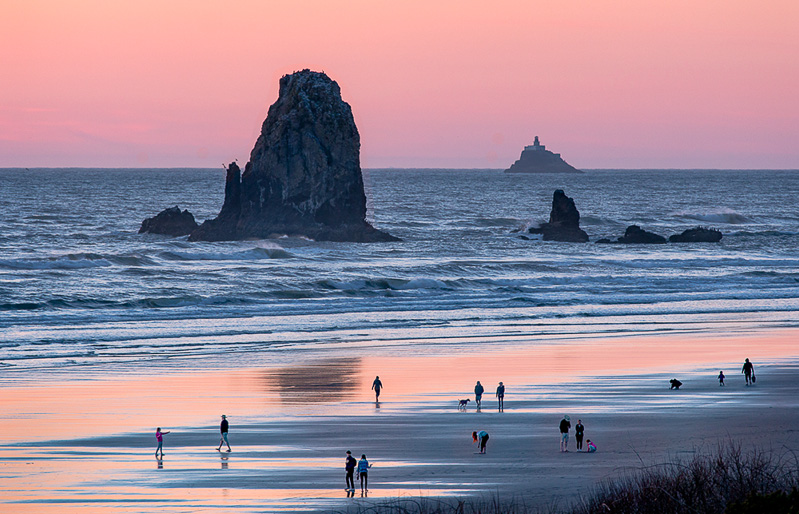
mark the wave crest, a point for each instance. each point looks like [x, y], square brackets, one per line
[723, 215]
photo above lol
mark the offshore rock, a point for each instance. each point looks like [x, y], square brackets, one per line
[636, 235]
[564, 221]
[536, 158]
[170, 222]
[697, 235]
[304, 174]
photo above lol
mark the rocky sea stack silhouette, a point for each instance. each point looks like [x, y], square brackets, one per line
[170, 222]
[564, 221]
[304, 173]
[536, 158]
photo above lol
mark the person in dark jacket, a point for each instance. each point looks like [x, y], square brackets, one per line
[478, 393]
[501, 396]
[349, 467]
[565, 425]
[675, 384]
[376, 386]
[579, 430]
[749, 371]
[223, 428]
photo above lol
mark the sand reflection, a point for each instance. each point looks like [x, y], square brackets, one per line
[326, 381]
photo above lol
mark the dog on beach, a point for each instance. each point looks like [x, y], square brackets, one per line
[462, 404]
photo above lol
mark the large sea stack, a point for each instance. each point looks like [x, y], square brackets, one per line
[564, 221]
[536, 158]
[304, 174]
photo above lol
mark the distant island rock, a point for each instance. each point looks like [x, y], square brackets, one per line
[564, 221]
[536, 158]
[170, 222]
[304, 174]
[697, 235]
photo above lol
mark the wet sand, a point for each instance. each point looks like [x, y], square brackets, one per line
[88, 445]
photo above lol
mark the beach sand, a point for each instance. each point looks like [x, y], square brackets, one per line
[88, 445]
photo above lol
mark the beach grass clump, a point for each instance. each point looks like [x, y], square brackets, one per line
[726, 481]
[774, 503]
[729, 481]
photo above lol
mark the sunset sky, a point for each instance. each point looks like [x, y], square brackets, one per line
[607, 83]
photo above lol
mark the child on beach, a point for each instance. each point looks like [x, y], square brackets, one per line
[159, 436]
[363, 472]
[481, 438]
[591, 446]
[721, 378]
[565, 425]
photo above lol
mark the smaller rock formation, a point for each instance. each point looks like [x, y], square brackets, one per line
[697, 235]
[170, 222]
[636, 235]
[564, 221]
[536, 158]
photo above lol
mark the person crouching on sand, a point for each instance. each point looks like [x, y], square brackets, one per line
[721, 378]
[565, 425]
[591, 446]
[481, 438]
[159, 436]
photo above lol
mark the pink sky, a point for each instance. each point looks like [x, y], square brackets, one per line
[607, 83]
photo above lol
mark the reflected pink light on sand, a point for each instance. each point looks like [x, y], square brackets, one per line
[565, 361]
[109, 406]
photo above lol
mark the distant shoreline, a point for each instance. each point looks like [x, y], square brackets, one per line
[453, 169]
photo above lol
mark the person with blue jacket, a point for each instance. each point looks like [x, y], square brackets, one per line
[363, 472]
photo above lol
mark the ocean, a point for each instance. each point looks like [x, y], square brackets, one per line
[82, 291]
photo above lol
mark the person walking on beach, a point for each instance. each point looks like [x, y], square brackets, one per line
[349, 467]
[721, 378]
[749, 371]
[481, 438]
[565, 425]
[501, 396]
[376, 386]
[159, 436]
[478, 393]
[223, 428]
[363, 472]
[579, 429]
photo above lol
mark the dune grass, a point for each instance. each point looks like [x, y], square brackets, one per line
[728, 480]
